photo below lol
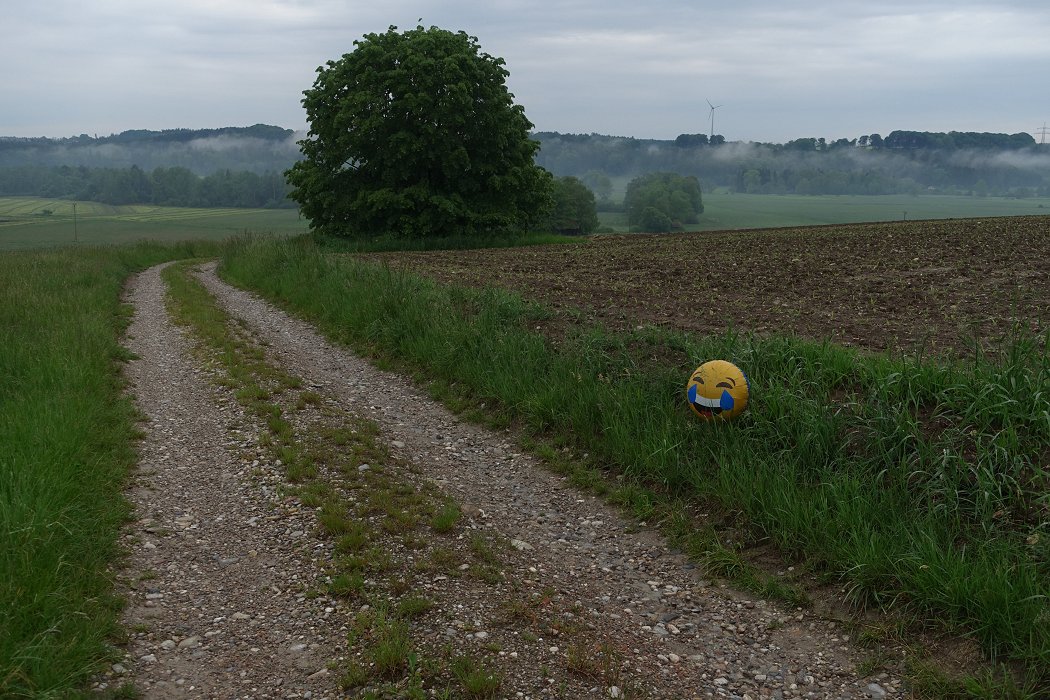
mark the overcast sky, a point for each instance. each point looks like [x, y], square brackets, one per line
[643, 68]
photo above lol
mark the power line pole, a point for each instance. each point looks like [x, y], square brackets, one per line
[75, 239]
[1042, 134]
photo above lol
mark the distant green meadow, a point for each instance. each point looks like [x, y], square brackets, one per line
[34, 222]
[25, 222]
[738, 211]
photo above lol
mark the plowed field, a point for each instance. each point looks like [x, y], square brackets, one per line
[931, 285]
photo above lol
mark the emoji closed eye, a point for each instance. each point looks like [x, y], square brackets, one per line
[727, 385]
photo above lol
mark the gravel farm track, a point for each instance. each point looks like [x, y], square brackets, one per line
[934, 285]
[224, 561]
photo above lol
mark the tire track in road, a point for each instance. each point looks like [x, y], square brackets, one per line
[217, 557]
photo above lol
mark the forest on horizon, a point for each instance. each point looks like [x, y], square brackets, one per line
[244, 166]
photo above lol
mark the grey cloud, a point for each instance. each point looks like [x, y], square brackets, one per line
[644, 69]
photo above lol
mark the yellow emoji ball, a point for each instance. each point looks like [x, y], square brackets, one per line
[717, 389]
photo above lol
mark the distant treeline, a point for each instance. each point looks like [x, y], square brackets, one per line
[259, 149]
[175, 187]
[905, 162]
[263, 132]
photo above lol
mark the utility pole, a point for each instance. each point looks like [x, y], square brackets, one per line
[75, 239]
[1042, 134]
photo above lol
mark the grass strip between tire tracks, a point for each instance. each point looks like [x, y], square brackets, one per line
[917, 485]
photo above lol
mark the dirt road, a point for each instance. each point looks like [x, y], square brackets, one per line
[230, 575]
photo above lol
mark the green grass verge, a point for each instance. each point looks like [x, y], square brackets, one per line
[66, 444]
[919, 485]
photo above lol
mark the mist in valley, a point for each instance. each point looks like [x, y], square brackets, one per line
[805, 166]
[247, 164]
[256, 149]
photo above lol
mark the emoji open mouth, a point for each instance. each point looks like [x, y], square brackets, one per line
[710, 407]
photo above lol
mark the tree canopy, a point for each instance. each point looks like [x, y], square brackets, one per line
[958, 140]
[175, 187]
[574, 210]
[661, 201]
[415, 134]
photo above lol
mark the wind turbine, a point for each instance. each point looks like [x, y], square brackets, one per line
[713, 108]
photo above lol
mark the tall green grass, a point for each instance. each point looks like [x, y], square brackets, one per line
[66, 444]
[919, 484]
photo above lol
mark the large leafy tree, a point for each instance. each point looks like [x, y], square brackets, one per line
[660, 201]
[415, 134]
[574, 210]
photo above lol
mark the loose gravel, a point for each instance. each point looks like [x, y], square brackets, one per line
[216, 554]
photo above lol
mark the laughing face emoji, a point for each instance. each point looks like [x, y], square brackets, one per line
[717, 389]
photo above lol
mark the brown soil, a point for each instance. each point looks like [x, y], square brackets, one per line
[931, 285]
